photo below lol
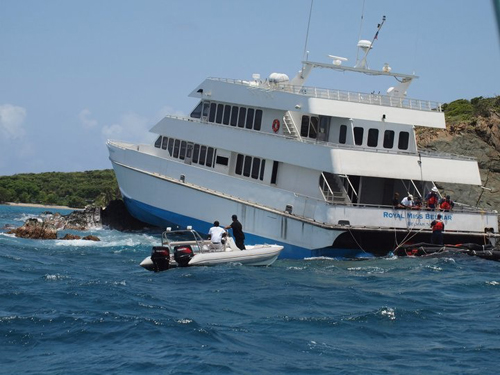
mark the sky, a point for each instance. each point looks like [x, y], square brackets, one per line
[76, 73]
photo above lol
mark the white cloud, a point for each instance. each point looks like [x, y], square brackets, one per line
[11, 121]
[131, 127]
[85, 119]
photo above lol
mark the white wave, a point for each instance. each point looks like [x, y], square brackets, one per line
[492, 283]
[388, 312]
[55, 277]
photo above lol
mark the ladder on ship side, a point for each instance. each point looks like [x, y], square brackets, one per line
[333, 189]
[289, 129]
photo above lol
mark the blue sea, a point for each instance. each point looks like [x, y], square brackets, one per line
[83, 307]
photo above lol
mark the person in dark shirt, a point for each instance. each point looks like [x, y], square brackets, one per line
[239, 236]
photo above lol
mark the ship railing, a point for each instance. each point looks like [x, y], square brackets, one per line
[342, 95]
[432, 154]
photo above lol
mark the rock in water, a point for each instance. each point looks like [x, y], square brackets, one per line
[35, 229]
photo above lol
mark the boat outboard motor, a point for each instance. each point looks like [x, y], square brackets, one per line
[183, 254]
[160, 256]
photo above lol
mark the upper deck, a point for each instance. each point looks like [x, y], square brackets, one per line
[339, 95]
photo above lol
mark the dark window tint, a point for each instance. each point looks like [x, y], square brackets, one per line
[203, 154]
[213, 109]
[171, 146]
[158, 142]
[241, 118]
[220, 112]
[183, 150]
[177, 145]
[197, 111]
[222, 160]
[403, 140]
[258, 119]
[210, 157]
[196, 153]
[255, 168]
[239, 164]
[250, 113]
[227, 113]
[313, 127]
[247, 166]
[304, 127]
[358, 136]
[274, 173]
[389, 139]
[164, 143]
[234, 116]
[343, 134]
[372, 138]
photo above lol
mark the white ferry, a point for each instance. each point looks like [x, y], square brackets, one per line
[311, 169]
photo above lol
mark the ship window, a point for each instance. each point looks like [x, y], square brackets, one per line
[197, 111]
[176, 148]
[158, 142]
[164, 143]
[196, 153]
[262, 167]
[304, 127]
[389, 139]
[220, 111]
[206, 110]
[234, 116]
[403, 140]
[241, 119]
[222, 160]
[246, 166]
[372, 138]
[313, 127]
[170, 146]
[343, 134]
[183, 150]
[210, 156]
[250, 113]
[227, 113]
[211, 116]
[239, 164]
[203, 154]
[189, 151]
[255, 168]
[358, 135]
[274, 174]
[258, 120]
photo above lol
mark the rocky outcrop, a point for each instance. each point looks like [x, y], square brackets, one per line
[114, 216]
[478, 138]
[36, 229]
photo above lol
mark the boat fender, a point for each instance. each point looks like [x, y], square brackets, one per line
[183, 254]
[276, 125]
[160, 256]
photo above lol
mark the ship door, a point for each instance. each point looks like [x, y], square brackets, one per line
[206, 111]
[323, 128]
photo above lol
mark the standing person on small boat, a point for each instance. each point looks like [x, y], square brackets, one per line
[239, 236]
[437, 231]
[215, 234]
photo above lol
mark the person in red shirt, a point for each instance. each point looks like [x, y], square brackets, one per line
[447, 204]
[437, 231]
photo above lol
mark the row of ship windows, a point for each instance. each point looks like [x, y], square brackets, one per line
[246, 166]
[372, 140]
[198, 154]
[242, 117]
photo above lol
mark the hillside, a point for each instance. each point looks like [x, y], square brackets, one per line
[472, 129]
[74, 189]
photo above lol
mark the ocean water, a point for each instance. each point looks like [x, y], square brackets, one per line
[81, 307]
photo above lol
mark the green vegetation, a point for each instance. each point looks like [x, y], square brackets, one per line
[74, 189]
[463, 110]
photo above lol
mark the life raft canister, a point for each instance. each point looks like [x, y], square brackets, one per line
[276, 125]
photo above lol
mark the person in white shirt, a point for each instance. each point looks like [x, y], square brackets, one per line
[215, 234]
[407, 201]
